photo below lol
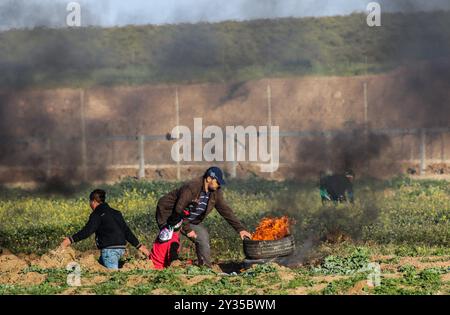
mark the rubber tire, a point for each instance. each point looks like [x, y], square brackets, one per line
[269, 249]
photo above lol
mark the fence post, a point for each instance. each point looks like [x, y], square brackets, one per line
[411, 152]
[269, 119]
[83, 138]
[366, 105]
[177, 122]
[366, 126]
[422, 151]
[141, 174]
[230, 148]
[328, 151]
[48, 173]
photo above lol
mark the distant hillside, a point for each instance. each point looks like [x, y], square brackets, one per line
[228, 51]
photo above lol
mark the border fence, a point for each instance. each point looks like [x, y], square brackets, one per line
[144, 160]
[140, 157]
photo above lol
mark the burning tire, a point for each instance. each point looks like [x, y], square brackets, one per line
[269, 249]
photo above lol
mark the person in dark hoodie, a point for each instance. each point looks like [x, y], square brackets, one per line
[184, 209]
[111, 231]
[337, 187]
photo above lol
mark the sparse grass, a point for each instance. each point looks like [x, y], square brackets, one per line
[412, 282]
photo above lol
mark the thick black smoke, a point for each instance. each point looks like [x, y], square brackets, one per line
[429, 86]
[352, 148]
[417, 47]
[34, 148]
[317, 224]
[425, 78]
[423, 74]
[191, 47]
[35, 144]
[55, 55]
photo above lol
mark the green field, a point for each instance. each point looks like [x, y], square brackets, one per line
[402, 224]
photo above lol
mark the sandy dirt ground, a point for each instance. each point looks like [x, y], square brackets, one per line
[27, 270]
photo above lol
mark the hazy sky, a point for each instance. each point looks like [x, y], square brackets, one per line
[30, 13]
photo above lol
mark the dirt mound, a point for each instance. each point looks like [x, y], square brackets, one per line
[445, 277]
[61, 257]
[133, 280]
[89, 262]
[358, 288]
[27, 279]
[11, 263]
[28, 258]
[181, 264]
[58, 258]
[93, 280]
[69, 291]
[161, 291]
[4, 251]
[286, 275]
[145, 264]
[33, 278]
[418, 263]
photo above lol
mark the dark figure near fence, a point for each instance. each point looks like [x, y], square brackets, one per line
[337, 188]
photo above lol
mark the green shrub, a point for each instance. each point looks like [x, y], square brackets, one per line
[356, 262]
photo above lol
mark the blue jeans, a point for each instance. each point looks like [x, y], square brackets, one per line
[110, 257]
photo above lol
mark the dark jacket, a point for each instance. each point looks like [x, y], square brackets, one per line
[175, 201]
[337, 186]
[109, 227]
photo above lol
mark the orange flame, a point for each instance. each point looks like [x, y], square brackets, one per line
[272, 229]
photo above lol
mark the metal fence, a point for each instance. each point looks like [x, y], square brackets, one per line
[140, 158]
[145, 160]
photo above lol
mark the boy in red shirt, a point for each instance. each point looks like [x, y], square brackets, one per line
[167, 245]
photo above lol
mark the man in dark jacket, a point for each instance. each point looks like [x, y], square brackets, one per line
[111, 231]
[206, 193]
[337, 187]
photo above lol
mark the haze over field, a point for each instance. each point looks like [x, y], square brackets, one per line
[56, 75]
[107, 13]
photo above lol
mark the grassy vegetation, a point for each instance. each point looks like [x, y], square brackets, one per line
[227, 51]
[412, 215]
[403, 222]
